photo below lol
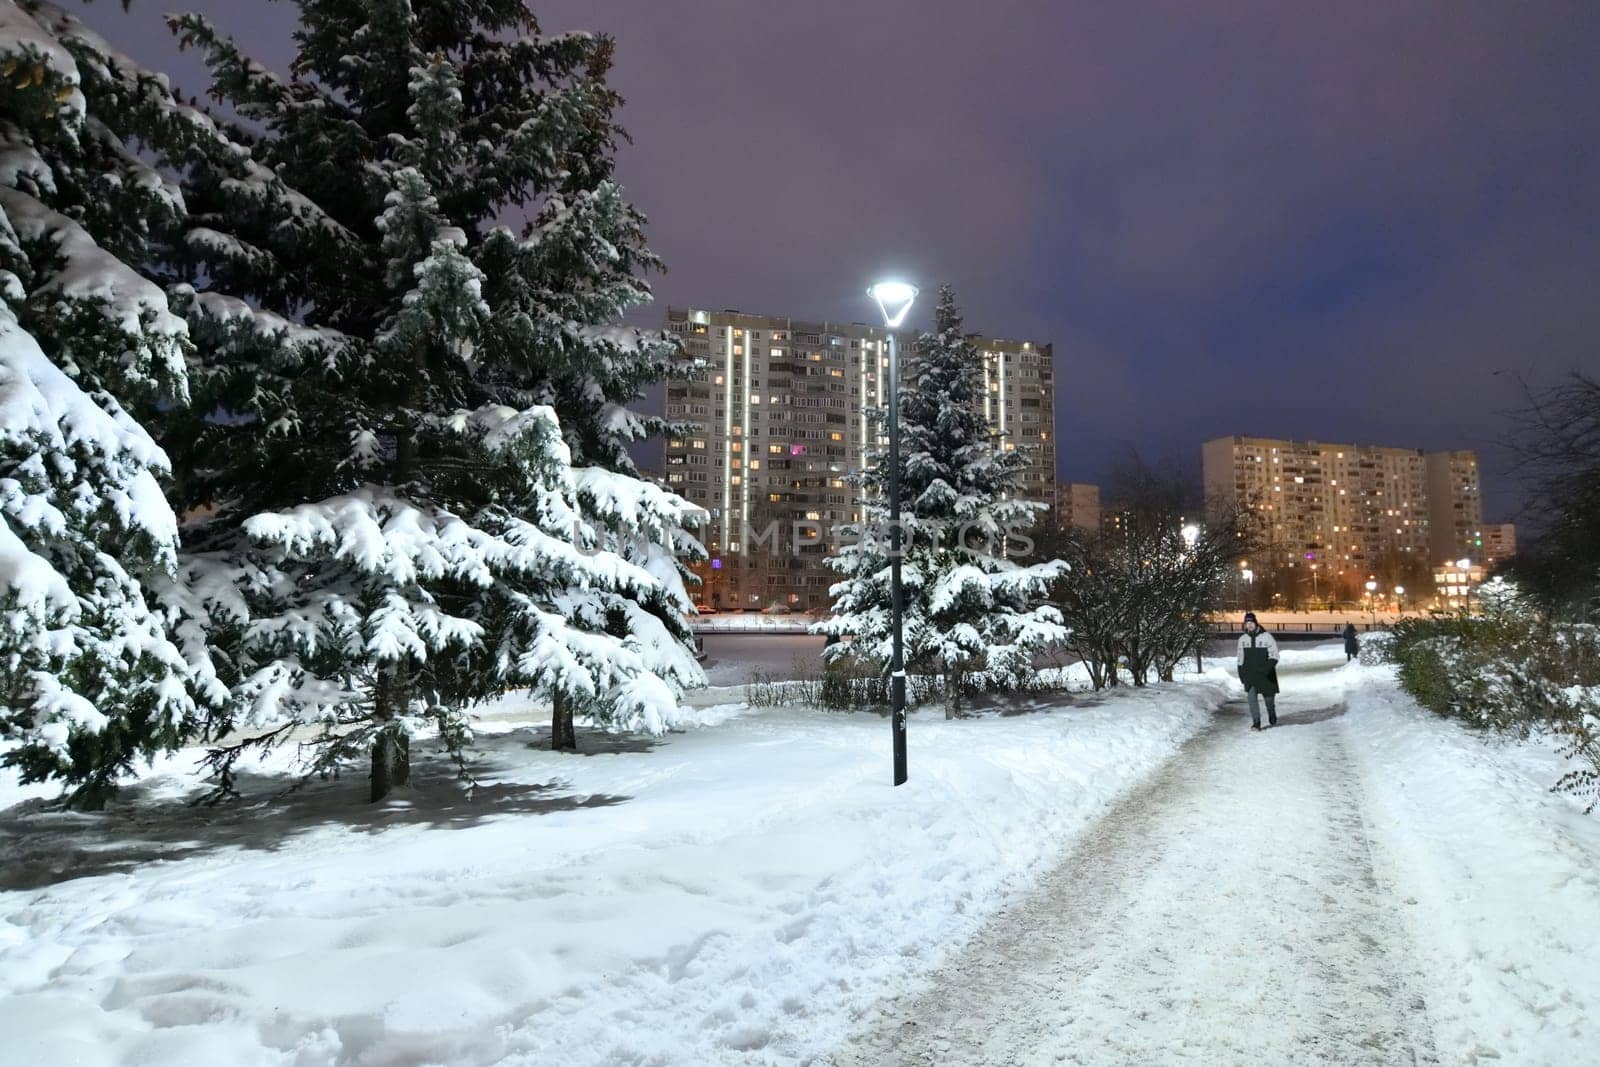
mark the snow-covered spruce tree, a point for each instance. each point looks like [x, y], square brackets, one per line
[92, 675]
[968, 608]
[419, 527]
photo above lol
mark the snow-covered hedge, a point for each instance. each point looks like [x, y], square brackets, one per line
[1511, 674]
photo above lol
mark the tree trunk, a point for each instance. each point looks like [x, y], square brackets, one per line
[952, 696]
[391, 762]
[563, 736]
[391, 748]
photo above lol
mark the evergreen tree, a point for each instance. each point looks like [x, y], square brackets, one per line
[93, 672]
[968, 608]
[414, 525]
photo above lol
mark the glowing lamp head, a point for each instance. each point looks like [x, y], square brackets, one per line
[894, 300]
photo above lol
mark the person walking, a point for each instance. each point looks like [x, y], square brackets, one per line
[1258, 669]
[1352, 647]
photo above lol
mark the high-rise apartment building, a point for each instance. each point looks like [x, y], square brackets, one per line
[1019, 402]
[1078, 507]
[781, 421]
[1349, 510]
[1455, 506]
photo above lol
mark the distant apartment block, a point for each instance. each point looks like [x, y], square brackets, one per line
[1455, 506]
[1499, 542]
[1352, 508]
[1019, 402]
[781, 421]
[1078, 507]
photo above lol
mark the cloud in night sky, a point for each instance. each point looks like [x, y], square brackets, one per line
[1357, 222]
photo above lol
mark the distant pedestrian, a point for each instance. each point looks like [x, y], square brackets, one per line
[1258, 669]
[1352, 647]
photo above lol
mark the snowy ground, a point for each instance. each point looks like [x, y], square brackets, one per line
[737, 892]
[734, 659]
[1129, 878]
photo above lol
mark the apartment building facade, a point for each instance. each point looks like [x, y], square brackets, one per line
[1499, 542]
[1455, 506]
[1078, 507]
[781, 420]
[1341, 512]
[1019, 402]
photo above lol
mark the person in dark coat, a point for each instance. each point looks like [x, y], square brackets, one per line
[1258, 669]
[1352, 647]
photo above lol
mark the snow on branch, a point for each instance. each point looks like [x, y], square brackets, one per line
[91, 276]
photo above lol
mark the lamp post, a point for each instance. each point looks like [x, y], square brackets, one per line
[1191, 534]
[894, 301]
[1372, 604]
[1400, 598]
[1465, 567]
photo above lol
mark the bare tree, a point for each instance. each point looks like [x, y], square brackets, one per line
[1558, 447]
[1141, 592]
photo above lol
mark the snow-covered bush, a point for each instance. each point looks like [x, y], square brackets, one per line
[1514, 674]
[1376, 647]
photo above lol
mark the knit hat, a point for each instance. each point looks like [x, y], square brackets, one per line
[1250, 616]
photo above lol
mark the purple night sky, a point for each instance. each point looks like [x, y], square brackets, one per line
[1354, 222]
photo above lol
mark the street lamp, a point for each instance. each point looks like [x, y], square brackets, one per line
[894, 300]
[1372, 606]
[1400, 597]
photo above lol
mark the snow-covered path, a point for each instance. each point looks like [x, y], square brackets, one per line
[1227, 911]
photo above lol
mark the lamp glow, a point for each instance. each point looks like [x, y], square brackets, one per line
[894, 300]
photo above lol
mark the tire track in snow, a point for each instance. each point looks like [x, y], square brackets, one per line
[1225, 912]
